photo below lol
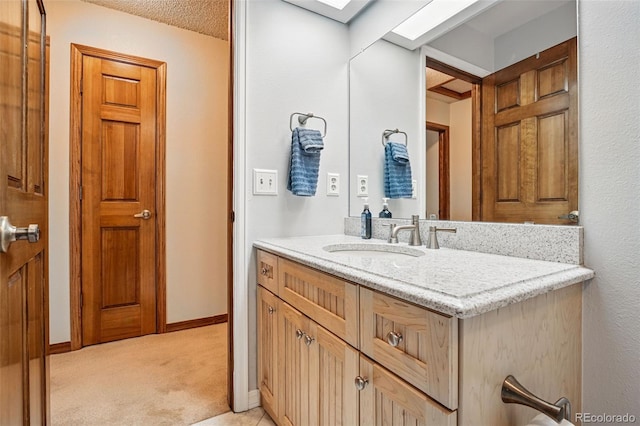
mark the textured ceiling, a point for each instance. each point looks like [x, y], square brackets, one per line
[209, 17]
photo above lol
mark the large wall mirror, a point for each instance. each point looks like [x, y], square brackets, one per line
[488, 102]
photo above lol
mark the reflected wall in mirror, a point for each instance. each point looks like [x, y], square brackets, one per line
[502, 35]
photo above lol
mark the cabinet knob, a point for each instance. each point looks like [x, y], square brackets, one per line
[394, 338]
[308, 340]
[271, 310]
[264, 271]
[299, 334]
[360, 382]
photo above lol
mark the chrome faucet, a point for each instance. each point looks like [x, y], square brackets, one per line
[414, 238]
[432, 243]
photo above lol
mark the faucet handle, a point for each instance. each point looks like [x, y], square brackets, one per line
[392, 239]
[433, 238]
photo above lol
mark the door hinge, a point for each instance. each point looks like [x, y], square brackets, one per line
[80, 192]
[232, 216]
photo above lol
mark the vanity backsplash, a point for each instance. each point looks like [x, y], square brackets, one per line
[552, 243]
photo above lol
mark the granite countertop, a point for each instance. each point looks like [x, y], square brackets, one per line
[454, 282]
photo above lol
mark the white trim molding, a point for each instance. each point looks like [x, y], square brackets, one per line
[242, 398]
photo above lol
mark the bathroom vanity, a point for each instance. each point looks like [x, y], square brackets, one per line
[349, 333]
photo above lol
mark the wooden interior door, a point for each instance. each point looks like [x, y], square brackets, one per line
[530, 139]
[23, 201]
[118, 201]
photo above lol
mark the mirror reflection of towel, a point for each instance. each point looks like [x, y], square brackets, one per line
[397, 171]
[306, 145]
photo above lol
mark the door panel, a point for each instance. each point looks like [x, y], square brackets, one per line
[335, 368]
[293, 368]
[530, 144]
[23, 200]
[118, 182]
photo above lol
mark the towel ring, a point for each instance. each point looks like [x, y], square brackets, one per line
[389, 132]
[302, 119]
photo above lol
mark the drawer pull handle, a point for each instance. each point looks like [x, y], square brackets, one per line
[394, 338]
[299, 334]
[271, 310]
[308, 340]
[360, 382]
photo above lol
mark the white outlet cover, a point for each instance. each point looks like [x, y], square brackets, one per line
[265, 182]
[333, 184]
[362, 185]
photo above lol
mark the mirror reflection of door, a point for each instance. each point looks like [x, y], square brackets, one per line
[437, 168]
[450, 118]
[514, 159]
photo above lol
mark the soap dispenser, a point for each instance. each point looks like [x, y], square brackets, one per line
[365, 221]
[385, 213]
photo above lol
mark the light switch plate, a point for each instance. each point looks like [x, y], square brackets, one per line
[363, 186]
[265, 182]
[333, 184]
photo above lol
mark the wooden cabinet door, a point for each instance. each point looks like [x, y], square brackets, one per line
[268, 350]
[317, 370]
[23, 201]
[293, 367]
[334, 366]
[388, 400]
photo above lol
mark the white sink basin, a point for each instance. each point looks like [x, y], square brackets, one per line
[381, 251]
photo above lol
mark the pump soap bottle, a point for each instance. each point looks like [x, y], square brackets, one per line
[385, 213]
[365, 221]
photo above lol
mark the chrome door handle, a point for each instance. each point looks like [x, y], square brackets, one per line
[144, 214]
[9, 233]
[573, 216]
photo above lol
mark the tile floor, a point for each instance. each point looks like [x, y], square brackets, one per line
[254, 417]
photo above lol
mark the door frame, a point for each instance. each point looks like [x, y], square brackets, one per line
[444, 181]
[476, 127]
[75, 180]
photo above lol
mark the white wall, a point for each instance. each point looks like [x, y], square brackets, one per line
[196, 146]
[433, 173]
[535, 36]
[609, 203]
[296, 61]
[460, 159]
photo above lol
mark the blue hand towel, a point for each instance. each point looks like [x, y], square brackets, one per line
[306, 145]
[397, 171]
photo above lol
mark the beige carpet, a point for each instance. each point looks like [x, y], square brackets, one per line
[177, 378]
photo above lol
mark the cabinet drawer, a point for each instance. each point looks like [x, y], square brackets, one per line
[267, 271]
[425, 352]
[329, 301]
[388, 400]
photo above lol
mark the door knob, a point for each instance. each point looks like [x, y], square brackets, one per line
[360, 382]
[144, 214]
[9, 233]
[573, 216]
[394, 338]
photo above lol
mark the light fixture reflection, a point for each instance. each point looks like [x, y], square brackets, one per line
[337, 4]
[430, 17]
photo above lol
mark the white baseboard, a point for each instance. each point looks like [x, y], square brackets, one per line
[254, 399]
